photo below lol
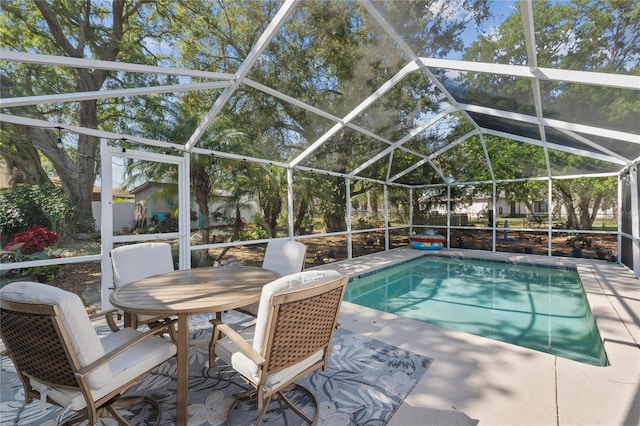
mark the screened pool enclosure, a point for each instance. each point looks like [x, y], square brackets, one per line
[504, 126]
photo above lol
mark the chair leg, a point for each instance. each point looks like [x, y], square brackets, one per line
[251, 394]
[129, 401]
[264, 411]
[296, 409]
[215, 335]
[243, 396]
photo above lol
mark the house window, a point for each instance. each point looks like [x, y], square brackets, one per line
[540, 207]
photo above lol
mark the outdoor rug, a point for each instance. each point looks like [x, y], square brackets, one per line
[365, 383]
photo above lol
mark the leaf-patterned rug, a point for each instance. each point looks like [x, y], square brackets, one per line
[365, 382]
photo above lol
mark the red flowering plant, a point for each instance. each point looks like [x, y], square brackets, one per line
[29, 245]
[34, 239]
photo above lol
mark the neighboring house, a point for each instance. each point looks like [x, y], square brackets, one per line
[151, 201]
[483, 207]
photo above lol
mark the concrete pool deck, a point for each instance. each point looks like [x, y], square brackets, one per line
[475, 380]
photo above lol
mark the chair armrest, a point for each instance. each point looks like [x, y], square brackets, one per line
[108, 315]
[243, 345]
[117, 351]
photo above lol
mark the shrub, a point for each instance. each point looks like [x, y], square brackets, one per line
[168, 224]
[253, 232]
[29, 245]
[33, 240]
[32, 205]
[579, 241]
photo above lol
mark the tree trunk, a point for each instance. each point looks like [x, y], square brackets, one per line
[596, 207]
[415, 205]
[78, 177]
[302, 212]
[271, 215]
[334, 222]
[237, 226]
[335, 208]
[201, 185]
[529, 207]
[23, 165]
[372, 204]
[572, 217]
[588, 216]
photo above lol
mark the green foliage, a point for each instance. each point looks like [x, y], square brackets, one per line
[253, 232]
[258, 220]
[15, 252]
[32, 205]
[368, 222]
[168, 224]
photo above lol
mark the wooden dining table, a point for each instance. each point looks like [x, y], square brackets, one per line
[183, 293]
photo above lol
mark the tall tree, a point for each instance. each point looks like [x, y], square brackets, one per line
[327, 55]
[590, 35]
[79, 29]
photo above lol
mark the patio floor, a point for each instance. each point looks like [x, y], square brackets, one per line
[475, 380]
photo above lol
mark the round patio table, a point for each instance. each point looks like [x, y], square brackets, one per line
[186, 292]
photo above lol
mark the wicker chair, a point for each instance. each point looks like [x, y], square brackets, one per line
[290, 339]
[59, 357]
[284, 257]
[137, 261]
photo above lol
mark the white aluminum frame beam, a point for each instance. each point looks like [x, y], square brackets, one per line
[558, 124]
[373, 11]
[66, 61]
[354, 112]
[562, 148]
[106, 94]
[403, 140]
[620, 81]
[243, 70]
[526, 11]
[32, 122]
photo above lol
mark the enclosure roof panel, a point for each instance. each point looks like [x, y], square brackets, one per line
[410, 93]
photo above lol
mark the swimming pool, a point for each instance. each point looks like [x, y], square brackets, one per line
[541, 308]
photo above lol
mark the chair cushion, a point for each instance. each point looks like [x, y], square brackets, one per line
[83, 336]
[288, 282]
[284, 256]
[137, 261]
[127, 366]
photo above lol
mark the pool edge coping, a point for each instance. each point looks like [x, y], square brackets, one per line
[596, 292]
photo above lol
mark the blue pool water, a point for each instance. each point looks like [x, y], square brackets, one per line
[540, 308]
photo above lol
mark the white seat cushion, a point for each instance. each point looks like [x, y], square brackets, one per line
[131, 363]
[136, 261]
[83, 336]
[284, 256]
